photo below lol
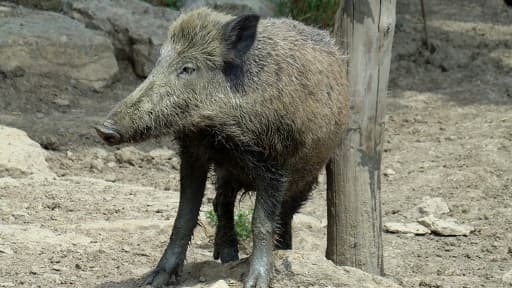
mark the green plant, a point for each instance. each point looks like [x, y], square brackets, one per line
[242, 222]
[318, 13]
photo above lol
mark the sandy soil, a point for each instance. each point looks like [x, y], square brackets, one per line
[448, 134]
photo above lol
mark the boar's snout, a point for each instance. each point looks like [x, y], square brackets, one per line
[109, 133]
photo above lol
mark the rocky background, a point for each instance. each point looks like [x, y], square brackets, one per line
[75, 213]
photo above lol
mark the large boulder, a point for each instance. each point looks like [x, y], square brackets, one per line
[52, 5]
[265, 8]
[21, 156]
[46, 43]
[137, 28]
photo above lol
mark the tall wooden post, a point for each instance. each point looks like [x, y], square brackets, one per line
[363, 28]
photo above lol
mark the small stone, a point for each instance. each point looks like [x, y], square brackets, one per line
[219, 284]
[429, 206]
[35, 271]
[59, 268]
[110, 178]
[389, 172]
[445, 227]
[202, 279]
[69, 154]
[130, 155]
[408, 228]
[19, 215]
[63, 102]
[6, 284]
[125, 249]
[78, 266]
[111, 164]
[507, 278]
[162, 154]
[175, 163]
[6, 250]
[52, 276]
[97, 164]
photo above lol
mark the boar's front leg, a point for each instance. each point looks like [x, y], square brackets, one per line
[269, 196]
[193, 173]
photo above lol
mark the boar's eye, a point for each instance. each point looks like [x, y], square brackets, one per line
[186, 71]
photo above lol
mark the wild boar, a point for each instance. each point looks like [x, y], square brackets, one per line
[264, 102]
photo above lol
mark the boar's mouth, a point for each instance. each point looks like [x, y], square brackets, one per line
[109, 133]
[112, 135]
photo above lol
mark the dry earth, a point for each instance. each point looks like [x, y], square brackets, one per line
[104, 218]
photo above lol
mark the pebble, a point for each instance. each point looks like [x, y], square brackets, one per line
[507, 278]
[407, 228]
[59, 268]
[389, 172]
[129, 155]
[162, 154]
[19, 215]
[445, 227]
[6, 284]
[6, 250]
[97, 164]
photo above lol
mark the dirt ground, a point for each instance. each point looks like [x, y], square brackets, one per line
[448, 134]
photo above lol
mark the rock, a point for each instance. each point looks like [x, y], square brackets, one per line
[429, 206]
[175, 163]
[98, 153]
[19, 155]
[507, 278]
[389, 172]
[219, 284]
[129, 155]
[293, 268]
[59, 268]
[52, 5]
[5, 250]
[70, 50]
[137, 28]
[162, 154]
[264, 8]
[445, 227]
[97, 164]
[408, 228]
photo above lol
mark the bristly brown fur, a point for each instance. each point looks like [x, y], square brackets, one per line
[277, 113]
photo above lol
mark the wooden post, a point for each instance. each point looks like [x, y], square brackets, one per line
[363, 28]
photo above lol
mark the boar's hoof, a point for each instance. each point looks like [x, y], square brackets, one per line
[159, 278]
[226, 254]
[109, 134]
[258, 278]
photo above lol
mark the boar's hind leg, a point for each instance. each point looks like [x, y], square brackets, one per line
[291, 204]
[226, 243]
[266, 210]
[193, 173]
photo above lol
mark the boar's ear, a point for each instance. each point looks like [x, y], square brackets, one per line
[239, 35]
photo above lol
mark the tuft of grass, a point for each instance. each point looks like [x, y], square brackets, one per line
[319, 13]
[242, 222]
[174, 4]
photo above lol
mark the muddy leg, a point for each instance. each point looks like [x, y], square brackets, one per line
[193, 172]
[266, 211]
[226, 243]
